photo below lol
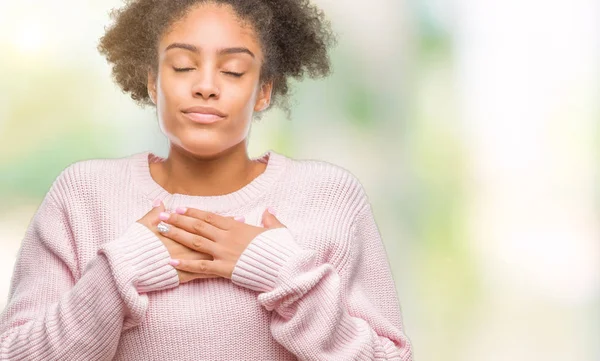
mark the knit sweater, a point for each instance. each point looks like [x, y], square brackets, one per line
[91, 283]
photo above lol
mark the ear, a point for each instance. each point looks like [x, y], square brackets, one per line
[152, 86]
[264, 96]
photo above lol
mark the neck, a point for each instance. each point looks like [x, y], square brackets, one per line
[186, 173]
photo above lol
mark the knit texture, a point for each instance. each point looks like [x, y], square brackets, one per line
[90, 283]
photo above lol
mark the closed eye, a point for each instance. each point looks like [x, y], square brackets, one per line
[237, 75]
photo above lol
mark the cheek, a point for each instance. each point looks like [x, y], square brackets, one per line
[237, 99]
[243, 100]
[245, 97]
[172, 89]
[169, 92]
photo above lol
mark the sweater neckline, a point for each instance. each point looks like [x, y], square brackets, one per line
[225, 203]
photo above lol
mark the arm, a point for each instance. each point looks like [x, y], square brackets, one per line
[53, 313]
[324, 313]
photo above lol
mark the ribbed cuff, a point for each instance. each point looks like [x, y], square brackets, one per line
[385, 349]
[259, 265]
[139, 257]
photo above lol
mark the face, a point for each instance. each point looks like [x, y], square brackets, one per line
[208, 59]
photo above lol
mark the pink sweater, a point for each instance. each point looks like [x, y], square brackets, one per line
[90, 283]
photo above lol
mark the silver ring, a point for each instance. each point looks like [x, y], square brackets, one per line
[163, 227]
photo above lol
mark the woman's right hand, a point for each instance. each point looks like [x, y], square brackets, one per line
[176, 250]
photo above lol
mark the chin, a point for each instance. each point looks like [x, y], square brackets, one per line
[204, 148]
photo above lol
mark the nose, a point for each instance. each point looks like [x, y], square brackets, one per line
[205, 85]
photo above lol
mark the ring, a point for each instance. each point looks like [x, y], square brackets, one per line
[163, 227]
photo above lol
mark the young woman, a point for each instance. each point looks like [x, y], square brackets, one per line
[206, 254]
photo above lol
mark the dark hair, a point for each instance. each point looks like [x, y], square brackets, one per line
[294, 34]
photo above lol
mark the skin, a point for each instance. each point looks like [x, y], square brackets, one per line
[207, 159]
[204, 244]
[223, 238]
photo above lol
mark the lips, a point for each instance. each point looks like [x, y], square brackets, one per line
[204, 115]
[204, 110]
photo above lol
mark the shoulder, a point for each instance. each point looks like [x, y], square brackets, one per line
[328, 181]
[321, 171]
[87, 177]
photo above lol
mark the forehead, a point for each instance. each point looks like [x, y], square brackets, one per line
[210, 27]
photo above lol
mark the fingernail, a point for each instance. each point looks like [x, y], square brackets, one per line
[174, 262]
[240, 218]
[156, 203]
[181, 210]
[271, 210]
[163, 216]
[163, 227]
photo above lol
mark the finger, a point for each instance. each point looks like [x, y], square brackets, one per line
[203, 267]
[213, 219]
[157, 207]
[158, 204]
[269, 220]
[190, 240]
[185, 277]
[192, 225]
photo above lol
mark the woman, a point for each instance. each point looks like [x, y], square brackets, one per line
[206, 254]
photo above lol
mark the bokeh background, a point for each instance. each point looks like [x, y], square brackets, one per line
[472, 124]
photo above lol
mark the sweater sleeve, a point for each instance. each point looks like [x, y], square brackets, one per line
[56, 312]
[325, 313]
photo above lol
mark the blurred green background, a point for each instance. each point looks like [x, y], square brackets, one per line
[472, 125]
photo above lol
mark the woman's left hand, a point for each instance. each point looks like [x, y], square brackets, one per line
[224, 238]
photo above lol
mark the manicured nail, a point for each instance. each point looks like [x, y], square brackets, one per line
[174, 262]
[240, 218]
[156, 203]
[163, 216]
[271, 210]
[181, 210]
[162, 227]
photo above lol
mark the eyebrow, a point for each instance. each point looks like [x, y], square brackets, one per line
[222, 51]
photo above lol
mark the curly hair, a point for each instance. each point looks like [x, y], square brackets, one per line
[294, 35]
